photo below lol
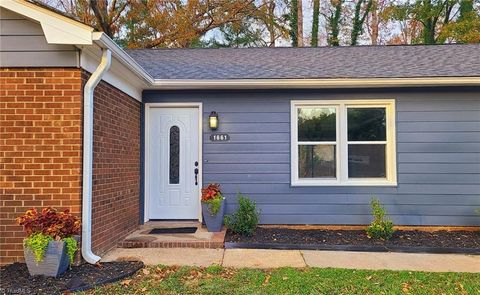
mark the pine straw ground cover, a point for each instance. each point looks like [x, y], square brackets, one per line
[219, 280]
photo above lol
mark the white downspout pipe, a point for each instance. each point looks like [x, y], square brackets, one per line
[95, 78]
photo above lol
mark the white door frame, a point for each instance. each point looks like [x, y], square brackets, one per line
[148, 107]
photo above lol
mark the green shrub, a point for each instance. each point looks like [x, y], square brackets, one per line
[380, 228]
[38, 244]
[214, 204]
[245, 220]
[72, 247]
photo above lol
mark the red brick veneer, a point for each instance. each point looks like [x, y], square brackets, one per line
[40, 147]
[41, 154]
[116, 166]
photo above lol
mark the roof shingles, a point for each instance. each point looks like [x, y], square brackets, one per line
[311, 63]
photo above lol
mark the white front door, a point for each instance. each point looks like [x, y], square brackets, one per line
[172, 188]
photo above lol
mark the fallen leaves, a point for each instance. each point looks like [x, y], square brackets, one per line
[461, 289]
[406, 287]
[267, 280]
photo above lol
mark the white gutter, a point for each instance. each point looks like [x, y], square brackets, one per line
[314, 83]
[104, 41]
[88, 155]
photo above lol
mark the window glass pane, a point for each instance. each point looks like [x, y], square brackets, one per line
[316, 124]
[366, 124]
[174, 155]
[366, 160]
[316, 161]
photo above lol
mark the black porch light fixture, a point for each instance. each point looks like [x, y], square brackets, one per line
[213, 120]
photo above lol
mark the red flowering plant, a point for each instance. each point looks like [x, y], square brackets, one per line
[49, 225]
[212, 196]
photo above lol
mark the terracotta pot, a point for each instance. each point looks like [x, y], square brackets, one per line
[54, 263]
[214, 223]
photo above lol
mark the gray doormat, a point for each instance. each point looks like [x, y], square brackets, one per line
[173, 230]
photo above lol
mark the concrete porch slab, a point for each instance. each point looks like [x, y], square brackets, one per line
[200, 239]
[172, 256]
[393, 261]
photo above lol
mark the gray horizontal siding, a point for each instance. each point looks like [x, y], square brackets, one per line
[438, 157]
[438, 126]
[19, 27]
[467, 115]
[23, 44]
[39, 59]
[30, 43]
[422, 147]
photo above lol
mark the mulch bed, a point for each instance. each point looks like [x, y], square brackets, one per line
[357, 240]
[15, 279]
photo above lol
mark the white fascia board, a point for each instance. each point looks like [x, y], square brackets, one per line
[102, 40]
[315, 83]
[119, 75]
[57, 28]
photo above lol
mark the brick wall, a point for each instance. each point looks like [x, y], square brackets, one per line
[116, 166]
[40, 147]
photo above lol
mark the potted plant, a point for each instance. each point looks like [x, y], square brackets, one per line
[213, 207]
[50, 244]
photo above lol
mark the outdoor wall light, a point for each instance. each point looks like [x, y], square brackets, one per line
[213, 120]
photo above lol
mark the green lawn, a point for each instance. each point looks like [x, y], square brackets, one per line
[219, 280]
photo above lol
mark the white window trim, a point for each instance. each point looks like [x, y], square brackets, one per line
[342, 143]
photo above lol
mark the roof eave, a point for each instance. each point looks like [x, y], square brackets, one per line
[57, 28]
[176, 84]
[104, 41]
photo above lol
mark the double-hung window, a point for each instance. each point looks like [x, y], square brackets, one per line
[343, 142]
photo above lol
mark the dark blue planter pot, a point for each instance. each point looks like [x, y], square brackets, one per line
[54, 263]
[214, 223]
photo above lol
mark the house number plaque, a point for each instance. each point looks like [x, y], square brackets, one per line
[219, 137]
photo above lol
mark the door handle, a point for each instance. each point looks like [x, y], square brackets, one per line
[196, 176]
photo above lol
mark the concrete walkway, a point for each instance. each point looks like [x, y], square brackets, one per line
[253, 258]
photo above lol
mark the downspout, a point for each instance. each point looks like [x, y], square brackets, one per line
[95, 78]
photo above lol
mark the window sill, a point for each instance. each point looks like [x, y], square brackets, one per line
[346, 184]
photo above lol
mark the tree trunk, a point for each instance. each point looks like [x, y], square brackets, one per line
[466, 8]
[359, 20]
[429, 23]
[429, 32]
[316, 13]
[334, 23]
[374, 23]
[270, 22]
[294, 22]
[100, 11]
[300, 23]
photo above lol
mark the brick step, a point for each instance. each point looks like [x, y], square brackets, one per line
[170, 244]
[201, 239]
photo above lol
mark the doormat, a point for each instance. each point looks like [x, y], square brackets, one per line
[173, 230]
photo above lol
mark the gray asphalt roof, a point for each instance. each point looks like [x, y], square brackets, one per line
[303, 63]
